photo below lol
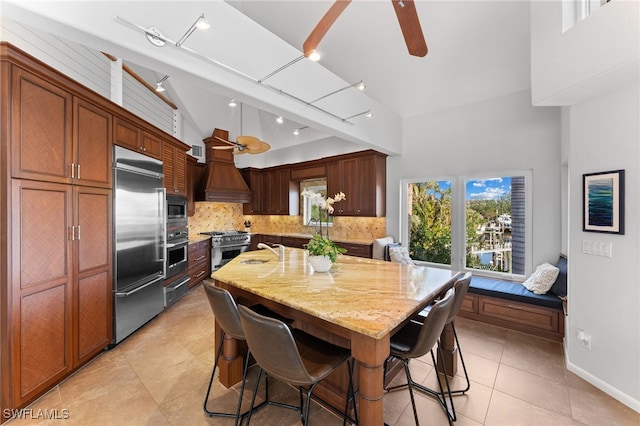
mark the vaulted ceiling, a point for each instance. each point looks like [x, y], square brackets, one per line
[477, 50]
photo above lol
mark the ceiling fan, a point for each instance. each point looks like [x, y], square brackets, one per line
[243, 144]
[407, 17]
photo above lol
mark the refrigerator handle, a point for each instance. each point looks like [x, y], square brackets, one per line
[162, 204]
[137, 289]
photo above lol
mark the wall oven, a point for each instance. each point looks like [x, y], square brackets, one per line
[176, 211]
[177, 251]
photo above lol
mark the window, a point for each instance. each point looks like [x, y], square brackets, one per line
[478, 223]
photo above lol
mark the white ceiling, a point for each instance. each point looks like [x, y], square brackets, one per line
[477, 50]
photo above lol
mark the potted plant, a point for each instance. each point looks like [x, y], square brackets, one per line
[322, 251]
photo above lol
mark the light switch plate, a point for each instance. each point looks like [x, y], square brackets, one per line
[597, 248]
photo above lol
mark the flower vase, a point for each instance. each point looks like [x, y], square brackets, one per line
[320, 263]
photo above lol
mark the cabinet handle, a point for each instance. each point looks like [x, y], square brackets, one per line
[515, 307]
[78, 177]
[73, 170]
[78, 236]
[200, 258]
[201, 273]
[71, 234]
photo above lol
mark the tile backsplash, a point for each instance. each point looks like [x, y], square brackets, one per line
[223, 216]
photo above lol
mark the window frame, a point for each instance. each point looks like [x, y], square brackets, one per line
[458, 211]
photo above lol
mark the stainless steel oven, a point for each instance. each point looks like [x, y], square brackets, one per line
[177, 251]
[176, 211]
[225, 245]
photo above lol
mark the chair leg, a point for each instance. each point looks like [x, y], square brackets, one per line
[213, 372]
[451, 414]
[464, 367]
[351, 394]
[253, 397]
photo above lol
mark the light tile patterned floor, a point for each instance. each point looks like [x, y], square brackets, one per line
[158, 376]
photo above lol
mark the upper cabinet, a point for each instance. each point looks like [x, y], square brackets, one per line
[174, 166]
[57, 137]
[362, 178]
[134, 138]
[253, 178]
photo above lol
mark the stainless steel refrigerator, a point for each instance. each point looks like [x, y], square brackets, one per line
[139, 233]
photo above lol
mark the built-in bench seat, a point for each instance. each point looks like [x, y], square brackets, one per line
[510, 305]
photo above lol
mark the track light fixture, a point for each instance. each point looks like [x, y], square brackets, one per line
[200, 23]
[297, 131]
[366, 113]
[314, 56]
[279, 120]
[232, 103]
[159, 87]
[360, 85]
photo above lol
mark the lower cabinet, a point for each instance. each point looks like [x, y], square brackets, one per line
[199, 263]
[353, 249]
[61, 278]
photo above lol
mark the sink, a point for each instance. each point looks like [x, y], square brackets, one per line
[253, 261]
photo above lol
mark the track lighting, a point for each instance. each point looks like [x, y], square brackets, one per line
[159, 87]
[280, 120]
[232, 103]
[297, 131]
[366, 113]
[199, 24]
[314, 56]
[360, 85]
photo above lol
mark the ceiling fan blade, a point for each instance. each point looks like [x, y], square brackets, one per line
[233, 144]
[312, 42]
[410, 25]
[248, 142]
[223, 147]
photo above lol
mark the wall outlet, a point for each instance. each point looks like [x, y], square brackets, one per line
[584, 339]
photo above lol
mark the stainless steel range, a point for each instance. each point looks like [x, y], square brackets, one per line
[225, 245]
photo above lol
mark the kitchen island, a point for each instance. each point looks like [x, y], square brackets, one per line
[359, 304]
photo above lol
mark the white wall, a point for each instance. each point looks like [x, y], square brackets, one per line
[604, 293]
[504, 133]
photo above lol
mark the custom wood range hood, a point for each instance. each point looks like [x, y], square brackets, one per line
[221, 181]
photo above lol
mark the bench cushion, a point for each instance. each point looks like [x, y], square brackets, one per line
[509, 290]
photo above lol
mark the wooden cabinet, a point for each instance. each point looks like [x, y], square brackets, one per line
[353, 249]
[57, 137]
[363, 180]
[253, 178]
[61, 282]
[356, 249]
[194, 171]
[174, 166]
[134, 138]
[275, 191]
[295, 242]
[199, 263]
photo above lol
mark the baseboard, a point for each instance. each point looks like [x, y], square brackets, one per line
[605, 387]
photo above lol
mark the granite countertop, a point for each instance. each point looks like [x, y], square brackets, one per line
[370, 297]
[194, 238]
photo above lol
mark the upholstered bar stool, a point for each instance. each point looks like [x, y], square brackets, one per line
[294, 357]
[225, 311]
[417, 339]
[461, 287]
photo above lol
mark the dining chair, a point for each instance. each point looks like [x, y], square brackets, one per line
[226, 314]
[417, 339]
[294, 357]
[461, 287]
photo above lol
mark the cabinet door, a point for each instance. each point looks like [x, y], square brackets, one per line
[367, 179]
[351, 187]
[92, 145]
[93, 318]
[254, 179]
[174, 166]
[41, 286]
[40, 129]
[282, 182]
[127, 135]
[151, 145]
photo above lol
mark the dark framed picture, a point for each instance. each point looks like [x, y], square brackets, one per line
[603, 198]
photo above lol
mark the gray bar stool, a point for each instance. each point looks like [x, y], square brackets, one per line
[415, 340]
[461, 287]
[294, 357]
[225, 311]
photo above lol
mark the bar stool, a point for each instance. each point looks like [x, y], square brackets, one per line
[225, 311]
[415, 340]
[461, 287]
[294, 357]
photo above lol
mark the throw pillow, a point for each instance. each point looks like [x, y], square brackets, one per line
[400, 255]
[559, 287]
[378, 247]
[542, 279]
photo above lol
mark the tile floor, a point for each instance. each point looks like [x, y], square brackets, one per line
[158, 376]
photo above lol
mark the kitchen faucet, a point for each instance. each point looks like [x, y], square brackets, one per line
[279, 253]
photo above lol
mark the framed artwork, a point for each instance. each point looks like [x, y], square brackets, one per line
[603, 198]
